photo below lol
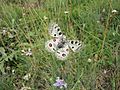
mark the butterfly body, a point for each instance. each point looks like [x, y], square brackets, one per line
[59, 44]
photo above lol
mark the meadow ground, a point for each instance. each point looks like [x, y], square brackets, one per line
[26, 65]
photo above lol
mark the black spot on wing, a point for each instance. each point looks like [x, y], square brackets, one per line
[60, 33]
[76, 42]
[58, 29]
[80, 44]
[58, 52]
[50, 45]
[72, 42]
[54, 34]
[53, 49]
[63, 55]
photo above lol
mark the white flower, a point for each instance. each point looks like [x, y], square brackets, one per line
[66, 12]
[13, 20]
[13, 71]
[23, 51]
[103, 10]
[27, 76]
[8, 67]
[10, 35]
[45, 18]
[20, 19]
[27, 52]
[113, 33]
[105, 71]
[4, 31]
[114, 11]
[23, 14]
[98, 21]
[89, 60]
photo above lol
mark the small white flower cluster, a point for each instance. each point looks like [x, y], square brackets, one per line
[27, 52]
[13, 71]
[4, 31]
[8, 32]
[89, 60]
[105, 71]
[27, 76]
[45, 17]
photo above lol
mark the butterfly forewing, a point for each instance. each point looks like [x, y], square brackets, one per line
[52, 45]
[75, 45]
[54, 30]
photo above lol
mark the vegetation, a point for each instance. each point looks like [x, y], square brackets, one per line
[24, 62]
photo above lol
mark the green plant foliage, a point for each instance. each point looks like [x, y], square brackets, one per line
[26, 64]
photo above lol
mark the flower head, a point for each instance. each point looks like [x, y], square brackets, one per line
[89, 60]
[13, 71]
[27, 76]
[60, 83]
[4, 31]
[27, 52]
[45, 17]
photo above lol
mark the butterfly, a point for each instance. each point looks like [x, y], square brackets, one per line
[59, 44]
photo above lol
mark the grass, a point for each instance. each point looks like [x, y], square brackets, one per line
[90, 21]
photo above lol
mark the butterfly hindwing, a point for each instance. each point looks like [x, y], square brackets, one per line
[75, 45]
[54, 30]
[62, 53]
[52, 45]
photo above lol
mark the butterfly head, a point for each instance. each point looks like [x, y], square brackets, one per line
[61, 44]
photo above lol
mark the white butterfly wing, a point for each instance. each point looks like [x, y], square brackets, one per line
[75, 45]
[62, 53]
[52, 44]
[54, 30]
